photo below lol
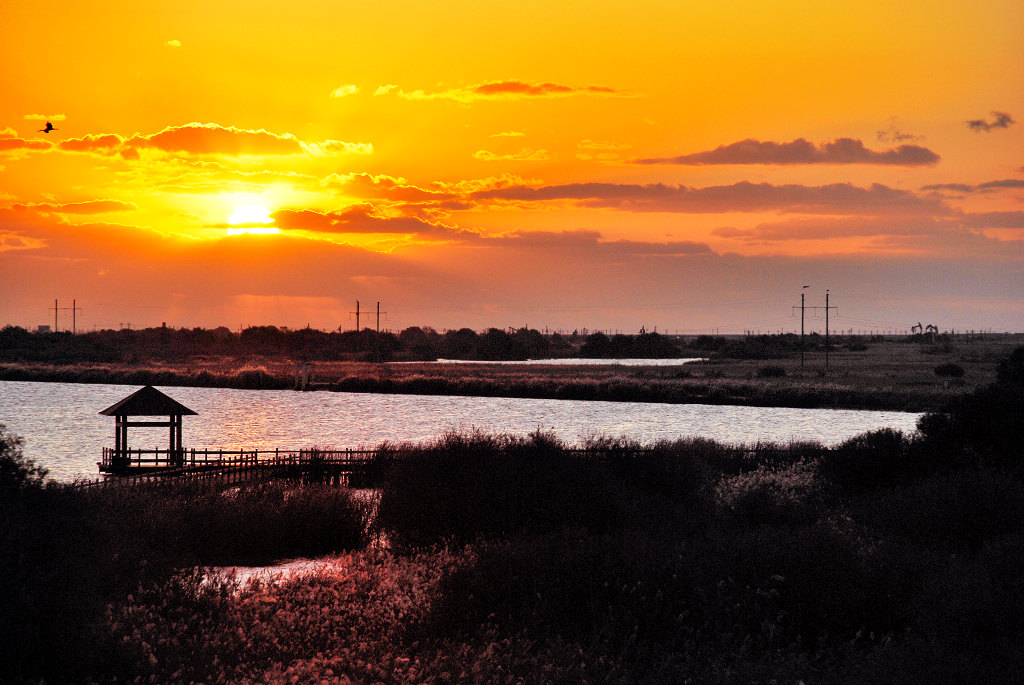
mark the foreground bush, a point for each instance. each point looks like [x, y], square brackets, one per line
[467, 485]
[66, 552]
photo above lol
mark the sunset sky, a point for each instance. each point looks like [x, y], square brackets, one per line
[554, 164]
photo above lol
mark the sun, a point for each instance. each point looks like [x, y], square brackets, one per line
[248, 219]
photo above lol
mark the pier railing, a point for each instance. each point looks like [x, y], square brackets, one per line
[163, 459]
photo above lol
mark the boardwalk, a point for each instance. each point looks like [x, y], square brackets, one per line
[339, 467]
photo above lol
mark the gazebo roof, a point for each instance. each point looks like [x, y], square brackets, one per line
[148, 402]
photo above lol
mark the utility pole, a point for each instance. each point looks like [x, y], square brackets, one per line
[378, 318]
[827, 307]
[74, 310]
[802, 327]
[356, 312]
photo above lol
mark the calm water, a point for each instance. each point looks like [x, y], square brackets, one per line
[64, 431]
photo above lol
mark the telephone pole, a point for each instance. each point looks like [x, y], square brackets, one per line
[356, 312]
[827, 307]
[74, 309]
[826, 330]
[802, 327]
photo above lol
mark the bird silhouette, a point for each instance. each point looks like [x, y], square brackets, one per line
[49, 127]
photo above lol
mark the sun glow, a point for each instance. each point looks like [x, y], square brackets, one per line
[247, 220]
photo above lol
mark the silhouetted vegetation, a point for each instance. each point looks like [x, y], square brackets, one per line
[890, 558]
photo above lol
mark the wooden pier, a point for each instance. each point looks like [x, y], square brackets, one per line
[340, 467]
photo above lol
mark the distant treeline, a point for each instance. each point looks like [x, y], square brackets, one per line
[412, 344]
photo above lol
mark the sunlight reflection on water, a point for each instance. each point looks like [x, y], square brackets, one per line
[64, 431]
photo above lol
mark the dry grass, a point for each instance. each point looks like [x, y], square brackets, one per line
[887, 375]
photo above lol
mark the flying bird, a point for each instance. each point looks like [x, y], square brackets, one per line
[49, 127]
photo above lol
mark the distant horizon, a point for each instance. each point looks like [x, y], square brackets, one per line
[581, 331]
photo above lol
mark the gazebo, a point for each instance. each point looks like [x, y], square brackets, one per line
[146, 402]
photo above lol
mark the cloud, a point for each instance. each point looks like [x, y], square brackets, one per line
[999, 120]
[362, 219]
[508, 134]
[384, 90]
[383, 186]
[344, 91]
[11, 142]
[524, 155]
[332, 147]
[893, 134]
[801, 151]
[825, 228]
[86, 207]
[173, 43]
[600, 150]
[989, 186]
[994, 220]
[101, 143]
[511, 90]
[10, 241]
[839, 198]
[45, 117]
[589, 240]
[208, 140]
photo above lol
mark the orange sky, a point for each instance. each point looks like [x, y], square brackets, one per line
[560, 164]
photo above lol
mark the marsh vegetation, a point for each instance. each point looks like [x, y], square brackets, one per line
[908, 374]
[890, 558]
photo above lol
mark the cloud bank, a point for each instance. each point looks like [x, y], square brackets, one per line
[801, 151]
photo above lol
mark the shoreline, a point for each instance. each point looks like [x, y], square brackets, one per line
[668, 385]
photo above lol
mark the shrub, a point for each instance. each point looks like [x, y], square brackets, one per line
[789, 495]
[17, 470]
[868, 460]
[949, 371]
[771, 371]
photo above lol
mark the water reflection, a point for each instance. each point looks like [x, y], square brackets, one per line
[64, 432]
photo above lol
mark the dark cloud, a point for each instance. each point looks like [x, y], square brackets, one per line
[990, 186]
[360, 219]
[592, 241]
[801, 151]
[739, 197]
[1005, 183]
[994, 220]
[954, 187]
[998, 120]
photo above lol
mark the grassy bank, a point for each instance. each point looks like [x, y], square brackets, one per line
[882, 375]
[888, 559]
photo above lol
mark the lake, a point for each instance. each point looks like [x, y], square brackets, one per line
[64, 431]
